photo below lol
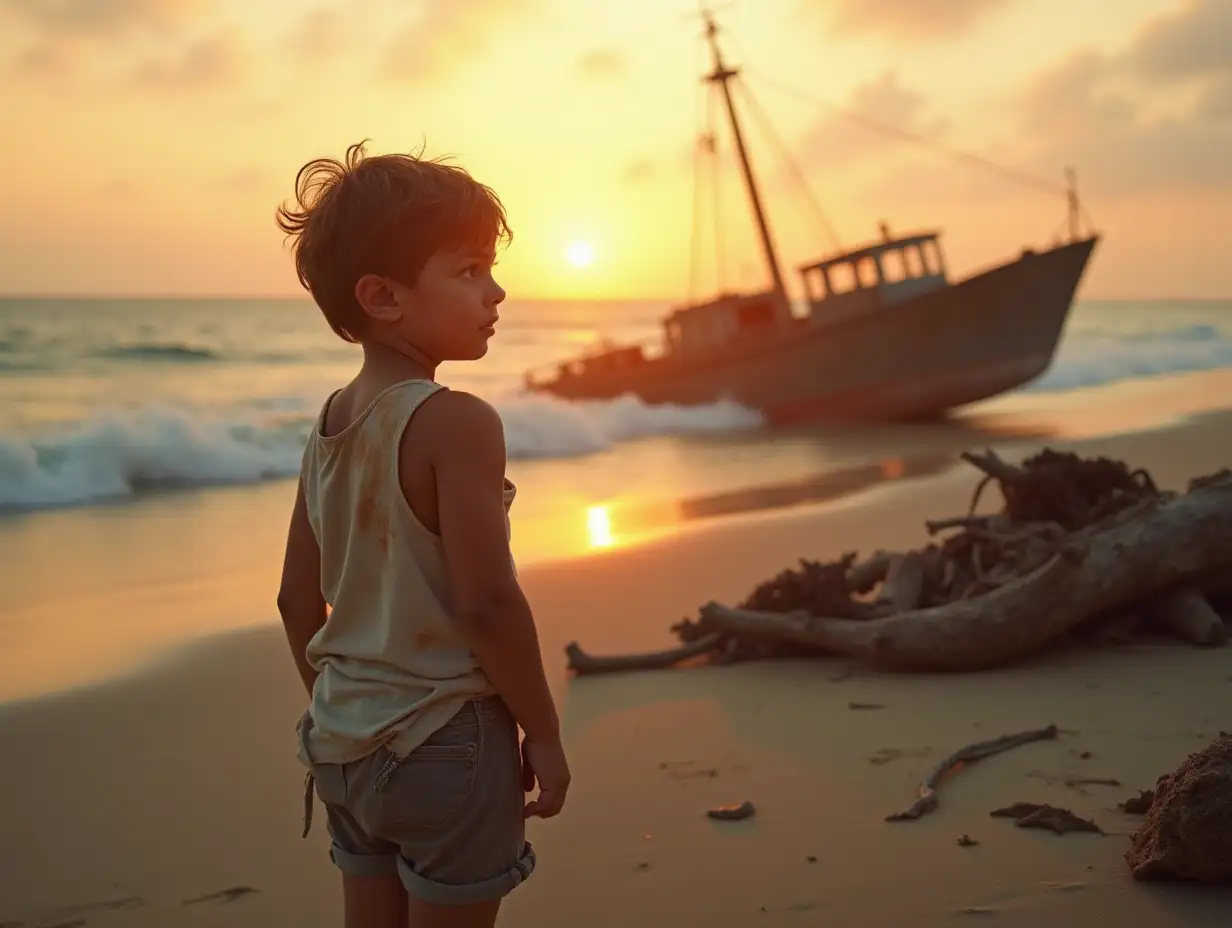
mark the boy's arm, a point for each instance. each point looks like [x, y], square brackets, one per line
[299, 596]
[468, 458]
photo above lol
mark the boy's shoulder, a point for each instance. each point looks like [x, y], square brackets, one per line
[460, 420]
[461, 408]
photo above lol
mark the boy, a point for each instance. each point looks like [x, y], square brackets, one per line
[399, 595]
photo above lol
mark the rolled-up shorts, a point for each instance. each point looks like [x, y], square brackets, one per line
[447, 818]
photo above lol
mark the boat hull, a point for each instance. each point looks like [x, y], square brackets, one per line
[916, 358]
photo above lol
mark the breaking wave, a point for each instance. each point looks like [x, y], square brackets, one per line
[123, 454]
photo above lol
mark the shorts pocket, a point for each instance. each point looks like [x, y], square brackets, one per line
[429, 787]
[330, 783]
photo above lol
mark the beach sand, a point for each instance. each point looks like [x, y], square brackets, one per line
[143, 801]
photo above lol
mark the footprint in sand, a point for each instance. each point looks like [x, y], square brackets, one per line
[687, 770]
[796, 908]
[1017, 899]
[70, 916]
[230, 894]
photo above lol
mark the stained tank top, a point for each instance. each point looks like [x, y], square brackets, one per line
[392, 665]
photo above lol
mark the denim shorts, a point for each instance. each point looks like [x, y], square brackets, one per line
[447, 818]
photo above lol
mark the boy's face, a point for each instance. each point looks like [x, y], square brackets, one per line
[451, 310]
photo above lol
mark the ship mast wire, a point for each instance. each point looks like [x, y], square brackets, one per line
[1015, 174]
[716, 190]
[767, 128]
[695, 234]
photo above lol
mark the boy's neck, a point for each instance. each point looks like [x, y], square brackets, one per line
[402, 363]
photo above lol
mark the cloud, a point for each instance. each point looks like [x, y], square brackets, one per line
[69, 42]
[839, 139]
[448, 35]
[602, 64]
[320, 36]
[1156, 116]
[51, 59]
[1197, 41]
[638, 171]
[903, 20]
[216, 60]
[98, 19]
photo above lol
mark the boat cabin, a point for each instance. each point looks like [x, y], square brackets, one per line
[876, 275]
[608, 359]
[730, 317]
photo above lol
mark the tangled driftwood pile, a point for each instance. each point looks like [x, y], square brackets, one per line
[1082, 548]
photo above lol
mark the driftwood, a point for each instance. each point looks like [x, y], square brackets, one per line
[1081, 549]
[927, 800]
[1186, 612]
[582, 662]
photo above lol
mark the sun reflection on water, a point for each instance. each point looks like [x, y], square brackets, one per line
[599, 527]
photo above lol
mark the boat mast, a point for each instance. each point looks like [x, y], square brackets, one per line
[721, 75]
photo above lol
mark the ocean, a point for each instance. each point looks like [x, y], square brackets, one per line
[105, 400]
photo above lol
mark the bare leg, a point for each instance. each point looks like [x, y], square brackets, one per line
[481, 915]
[374, 901]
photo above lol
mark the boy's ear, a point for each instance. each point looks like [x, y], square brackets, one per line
[376, 296]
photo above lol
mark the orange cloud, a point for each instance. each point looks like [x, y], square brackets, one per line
[448, 35]
[98, 19]
[1157, 116]
[217, 60]
[66, 41]
[903, 20]
[839, 138]
[321, 35]
[602, 63]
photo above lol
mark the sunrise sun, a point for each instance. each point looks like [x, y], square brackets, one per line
[580, 254]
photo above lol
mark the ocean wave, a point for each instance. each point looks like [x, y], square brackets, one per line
[1098, 356]
[120, 455]
[158, 351]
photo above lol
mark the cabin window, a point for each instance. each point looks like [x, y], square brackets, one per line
[814, 285]
[892, 267]
[842, 277]
[868, 272]
[913, 260]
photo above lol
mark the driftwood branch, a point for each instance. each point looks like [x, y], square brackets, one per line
[1167, 543]
[927, 800]
[867, 574]
[904, 584]
[993, 466]
[582, 663]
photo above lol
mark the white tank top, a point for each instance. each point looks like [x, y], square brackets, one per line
[393, 667]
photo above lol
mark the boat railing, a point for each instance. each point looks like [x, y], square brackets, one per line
[605, 356]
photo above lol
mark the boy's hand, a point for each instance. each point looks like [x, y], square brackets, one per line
[545, 763]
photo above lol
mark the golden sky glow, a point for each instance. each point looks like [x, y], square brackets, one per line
[146, 143]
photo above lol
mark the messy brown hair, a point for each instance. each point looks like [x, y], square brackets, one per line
[386, 215]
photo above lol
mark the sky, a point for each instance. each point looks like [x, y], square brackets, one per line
[145, 144]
